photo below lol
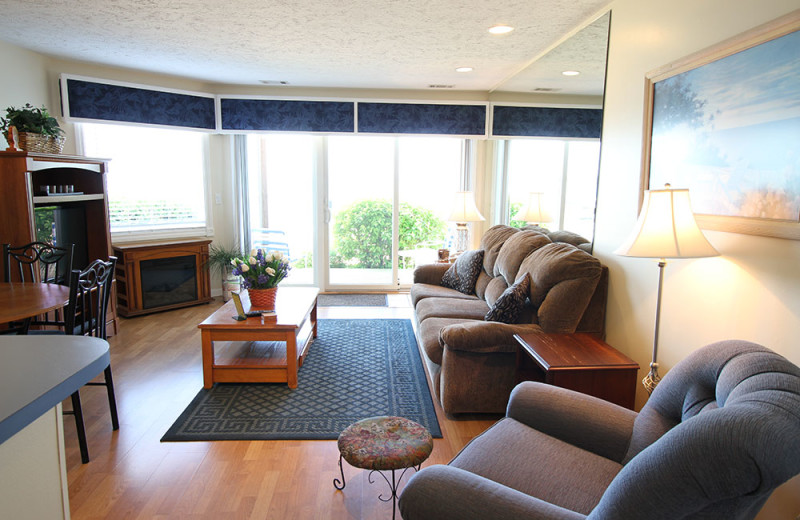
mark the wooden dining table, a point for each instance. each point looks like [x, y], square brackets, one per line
[20, 301]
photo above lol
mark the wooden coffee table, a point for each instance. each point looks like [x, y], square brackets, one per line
[253, 351]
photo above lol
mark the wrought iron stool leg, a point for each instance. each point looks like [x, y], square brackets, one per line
[336, 480]
[393, 485]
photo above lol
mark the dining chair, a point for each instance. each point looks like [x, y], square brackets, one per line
[85, 315]
[37, 262]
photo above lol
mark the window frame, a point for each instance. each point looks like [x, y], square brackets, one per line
[161, 233]
[502, 213]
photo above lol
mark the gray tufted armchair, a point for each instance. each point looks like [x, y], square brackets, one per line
[718, 435]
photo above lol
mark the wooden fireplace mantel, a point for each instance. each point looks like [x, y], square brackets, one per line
[130, 300]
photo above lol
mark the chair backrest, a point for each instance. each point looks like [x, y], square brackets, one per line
[719, 434]
[89, 294]
[37, 262]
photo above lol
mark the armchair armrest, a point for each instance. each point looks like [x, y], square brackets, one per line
[448, 493]
[484, 336]
[582, 420]
[430, 273]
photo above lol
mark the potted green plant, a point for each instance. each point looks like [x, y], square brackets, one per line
[37, 130]
[219, 260]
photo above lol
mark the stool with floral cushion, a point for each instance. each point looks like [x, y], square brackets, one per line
[382, 444]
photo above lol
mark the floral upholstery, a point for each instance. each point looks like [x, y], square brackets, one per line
[384, 443]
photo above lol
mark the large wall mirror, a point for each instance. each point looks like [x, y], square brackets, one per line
[563, 170]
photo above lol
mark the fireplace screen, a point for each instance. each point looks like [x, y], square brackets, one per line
[166, 281]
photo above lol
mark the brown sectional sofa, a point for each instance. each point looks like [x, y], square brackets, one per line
[472, 362]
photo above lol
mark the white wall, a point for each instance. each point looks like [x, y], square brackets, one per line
[751, 290]
[23, 80]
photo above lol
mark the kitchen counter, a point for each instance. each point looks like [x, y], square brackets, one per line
[36, 374]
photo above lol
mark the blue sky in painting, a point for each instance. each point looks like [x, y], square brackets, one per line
[730, 132]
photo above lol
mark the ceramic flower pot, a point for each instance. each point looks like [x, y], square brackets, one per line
[263, 298]
[229, 285]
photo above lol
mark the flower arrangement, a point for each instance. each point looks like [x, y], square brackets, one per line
[261, 270]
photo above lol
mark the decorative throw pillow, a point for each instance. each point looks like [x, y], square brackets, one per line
[509, 305]
[463, 274]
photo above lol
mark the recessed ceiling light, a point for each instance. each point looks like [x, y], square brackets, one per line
[273, 82]
[464, 69]
[500, 29]
[570, 73]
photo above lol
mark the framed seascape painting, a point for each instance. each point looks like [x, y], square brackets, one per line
[725, 123]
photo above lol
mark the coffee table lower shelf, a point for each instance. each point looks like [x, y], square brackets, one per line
[256, 361]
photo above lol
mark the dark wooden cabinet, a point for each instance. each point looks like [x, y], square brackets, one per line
[157, 276]
[81, 216]
[580, 362]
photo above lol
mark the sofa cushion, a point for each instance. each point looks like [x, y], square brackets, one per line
[451, 308]
[420, 291]
[463, 274]
[517, 456]
[510, 304]
[480, 285]
[514, 250]
[494, 290]
[491, 242]
[563, 280]
[567, 237]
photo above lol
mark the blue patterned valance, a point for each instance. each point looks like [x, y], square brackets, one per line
[413, 118]
[105, 102]
[546, 122]
[287, 116]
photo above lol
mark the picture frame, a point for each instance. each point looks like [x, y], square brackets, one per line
[725, 123]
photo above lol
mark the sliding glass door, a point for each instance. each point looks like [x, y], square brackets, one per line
[281, 199]
[430, 172]
[353, 212]
[361, 209]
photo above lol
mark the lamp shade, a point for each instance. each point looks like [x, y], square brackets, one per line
[464, 209]
[534, 211]
[666, 229]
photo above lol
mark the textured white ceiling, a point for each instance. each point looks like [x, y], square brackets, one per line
[585, 52]
[398, 44]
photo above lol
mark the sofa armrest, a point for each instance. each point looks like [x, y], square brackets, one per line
[581, 420]
[430, 273]
[448, 493]
[484, 336]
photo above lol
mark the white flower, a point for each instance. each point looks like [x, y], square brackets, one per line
[278, 255]
[252, 260]
[268, 258]
[233, 261]
[244, 267]
[253, 252]
[270, 271]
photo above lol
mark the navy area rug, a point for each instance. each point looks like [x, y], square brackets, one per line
[354, 369]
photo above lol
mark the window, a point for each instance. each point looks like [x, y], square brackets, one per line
[565, 172]
[156, 179]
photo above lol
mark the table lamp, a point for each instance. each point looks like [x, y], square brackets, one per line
[534, 212]
[464, 211]
[666, 229]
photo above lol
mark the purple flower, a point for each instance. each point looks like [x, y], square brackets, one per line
[262, 278]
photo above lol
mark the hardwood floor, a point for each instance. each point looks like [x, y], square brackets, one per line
[157, 371]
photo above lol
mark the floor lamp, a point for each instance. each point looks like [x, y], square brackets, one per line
[534, 212]
[464, 211]
[666, 229]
